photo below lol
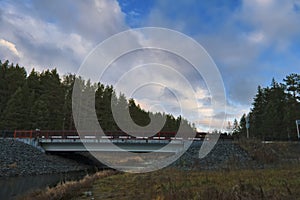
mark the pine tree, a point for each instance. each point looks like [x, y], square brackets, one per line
[52, 94]
[275, 110]
[67, 84]
[257, 112]
[292, 82]
[242, 126]
[11, 78]
[44, 101]
[40, 115]
[235, 129]
[17, 112]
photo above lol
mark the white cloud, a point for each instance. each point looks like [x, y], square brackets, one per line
[256, 37]
[163, 85]
[277, 20]
[238, 43]
[11, 46]
[51, 34]
[263, 2]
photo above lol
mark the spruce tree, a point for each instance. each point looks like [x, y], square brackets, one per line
[16, 114]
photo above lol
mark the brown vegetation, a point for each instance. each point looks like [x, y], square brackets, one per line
[176, 184]
[272, 153]
[68, 189]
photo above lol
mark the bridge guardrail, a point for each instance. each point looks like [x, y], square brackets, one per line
[73, 135]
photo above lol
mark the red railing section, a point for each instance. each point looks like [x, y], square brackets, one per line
[24, 134]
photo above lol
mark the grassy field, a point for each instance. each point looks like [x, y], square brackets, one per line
[176, 184]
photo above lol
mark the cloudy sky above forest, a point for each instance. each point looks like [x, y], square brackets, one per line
[251, 41]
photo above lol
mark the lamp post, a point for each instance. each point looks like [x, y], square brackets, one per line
[247, 125]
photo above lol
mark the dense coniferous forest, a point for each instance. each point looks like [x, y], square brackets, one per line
[44, 101]
[274, 112]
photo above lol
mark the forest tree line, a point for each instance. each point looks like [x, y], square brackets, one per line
[274, 112]
[44, 101]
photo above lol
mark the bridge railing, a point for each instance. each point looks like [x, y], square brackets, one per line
[24, 134]
[73, 134]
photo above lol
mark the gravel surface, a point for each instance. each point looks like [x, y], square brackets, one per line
[19, 159]
[224, 155]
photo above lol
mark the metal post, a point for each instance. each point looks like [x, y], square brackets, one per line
[247, 132]
[248, 124]
[297, 129]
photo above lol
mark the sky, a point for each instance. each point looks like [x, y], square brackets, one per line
[251, 41]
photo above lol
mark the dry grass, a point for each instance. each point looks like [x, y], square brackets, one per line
[68, 189]
[263, 153]
[13, 165]
[175, 184]
[277, 153]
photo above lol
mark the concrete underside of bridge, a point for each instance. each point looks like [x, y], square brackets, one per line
[108, 147]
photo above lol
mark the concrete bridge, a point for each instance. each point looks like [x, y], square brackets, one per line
[70, 141]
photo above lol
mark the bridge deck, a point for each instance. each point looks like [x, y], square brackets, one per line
[54, 141]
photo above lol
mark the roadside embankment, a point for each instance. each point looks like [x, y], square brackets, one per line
[224, 155]
[19, 159]
[243, 154]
